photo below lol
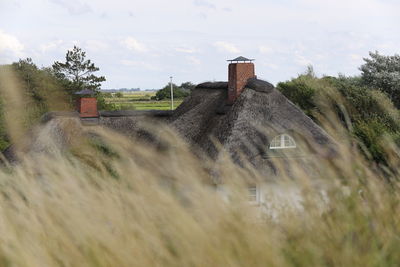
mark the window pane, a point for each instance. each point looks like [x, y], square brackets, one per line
[291, 142]
[282, 141]
[286, 140]
[276, 142]
[252, 194]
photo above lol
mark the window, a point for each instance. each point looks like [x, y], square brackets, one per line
[282, 141]
[252, 194]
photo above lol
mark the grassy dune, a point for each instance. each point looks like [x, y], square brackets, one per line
[124, 203]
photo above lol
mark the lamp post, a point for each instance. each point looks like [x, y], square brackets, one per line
[172, 95]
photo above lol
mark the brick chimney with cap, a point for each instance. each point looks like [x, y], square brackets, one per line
[240, 70]
[87, 104]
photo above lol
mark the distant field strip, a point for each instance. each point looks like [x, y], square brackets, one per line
[146, 105]
[141, 101]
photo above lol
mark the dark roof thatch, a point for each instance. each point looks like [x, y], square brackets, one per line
[192, 117]
[85, 92]
[260, 113]
[213, 85]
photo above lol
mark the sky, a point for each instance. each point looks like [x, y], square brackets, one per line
[142, 43]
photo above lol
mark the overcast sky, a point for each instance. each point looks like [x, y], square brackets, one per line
[142, 43]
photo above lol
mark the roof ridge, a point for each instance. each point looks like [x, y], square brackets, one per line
[260, 85]
[212, 85]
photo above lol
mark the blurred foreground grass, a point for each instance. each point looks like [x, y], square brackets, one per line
[133, 206]
[124, 203]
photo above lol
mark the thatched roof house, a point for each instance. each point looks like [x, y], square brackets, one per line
[251, 119]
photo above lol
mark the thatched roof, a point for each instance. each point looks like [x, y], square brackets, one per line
[247, 127]
[58, 131]
[192, 117]
[85, 92]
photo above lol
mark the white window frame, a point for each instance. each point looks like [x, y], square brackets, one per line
[253, 198]
[281, 140]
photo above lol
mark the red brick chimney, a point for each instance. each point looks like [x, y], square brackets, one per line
[240, 70]
[87, 104]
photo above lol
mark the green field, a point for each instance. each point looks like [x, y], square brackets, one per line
[141, 101]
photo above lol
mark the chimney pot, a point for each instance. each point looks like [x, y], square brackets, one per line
[87, 104]
[239, 73]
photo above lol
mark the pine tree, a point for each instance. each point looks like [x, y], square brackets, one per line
[383, 73]
[78, 72]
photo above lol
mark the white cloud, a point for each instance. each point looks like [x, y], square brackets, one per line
[302, 60]
[95, 45]
[226, 47]
[10, 44]
[386, 46]
[227, 9]
[204, 3]
[50, 46]
[194, 60]
[187, 50]
[74, 7]
[271, 66]
[133, 44]
[140, 64]
[265, 49]
[320, 57]
[355, 57]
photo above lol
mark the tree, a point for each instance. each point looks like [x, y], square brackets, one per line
[383, 73]
[187, 86]
[165, 92]
[108, 95]
[27, 71]
[43, 91]
[119, 95]
[78, 72]
[370, 112]
[301, 90]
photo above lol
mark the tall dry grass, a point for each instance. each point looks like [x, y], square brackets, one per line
[117, 202]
